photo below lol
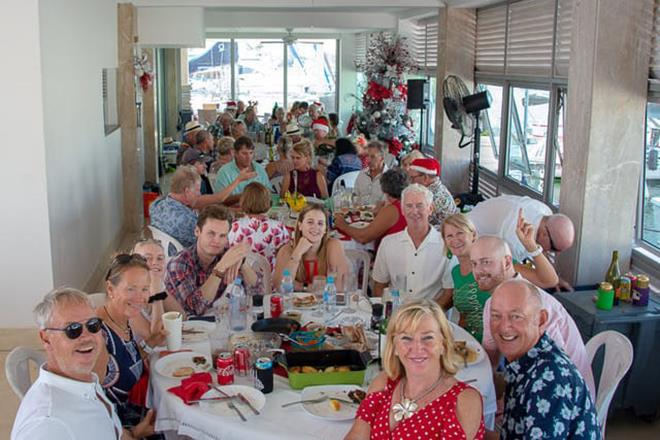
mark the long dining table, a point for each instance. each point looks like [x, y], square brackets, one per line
[177, 420]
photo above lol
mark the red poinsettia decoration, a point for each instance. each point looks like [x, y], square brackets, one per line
[395, 146]
[378, 92]
[145, 80]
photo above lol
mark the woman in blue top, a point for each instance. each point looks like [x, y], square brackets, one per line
[345, 160]
[121, 365]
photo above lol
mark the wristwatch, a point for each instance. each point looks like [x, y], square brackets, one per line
[145, 347]
[157, 297]
[536, 252]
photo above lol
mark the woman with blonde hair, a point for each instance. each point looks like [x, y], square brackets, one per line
[408, 159]
[417, 395]
[311, 252]
[459, 234]
[283, 164]
[304, 179]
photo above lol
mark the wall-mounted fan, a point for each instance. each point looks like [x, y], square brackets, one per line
[289, 39]
[462, 109]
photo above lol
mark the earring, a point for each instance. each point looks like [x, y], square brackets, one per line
[449, 254]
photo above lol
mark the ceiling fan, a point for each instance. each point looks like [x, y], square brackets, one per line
[289, 39]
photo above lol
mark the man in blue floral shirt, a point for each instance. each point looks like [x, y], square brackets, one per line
[546, 397]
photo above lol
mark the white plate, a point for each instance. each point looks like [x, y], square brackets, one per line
[166, 366]
[303, 295]
[359, 225]
[220, 407]
[476, 347]
[203, 327]
[323, 409]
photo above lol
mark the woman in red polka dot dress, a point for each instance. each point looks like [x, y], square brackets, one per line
[417, 396]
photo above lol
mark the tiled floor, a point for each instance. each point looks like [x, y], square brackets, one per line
[623, 426]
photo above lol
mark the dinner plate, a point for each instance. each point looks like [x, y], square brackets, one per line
[474, 346]
[196, 331]
[360, 224]
[323, 409]
[166, 366]
[221, 408]
[301, 295]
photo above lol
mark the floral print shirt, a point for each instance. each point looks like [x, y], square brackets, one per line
[443, 203]
[265, 235]
[175, 219]
[547, 398]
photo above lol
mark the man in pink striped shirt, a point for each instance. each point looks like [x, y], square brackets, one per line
[491, 265]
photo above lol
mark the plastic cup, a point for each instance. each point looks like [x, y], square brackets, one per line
[172, 322]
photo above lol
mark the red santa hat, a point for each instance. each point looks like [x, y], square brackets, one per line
[321, 124]
[231, 105]
[318, 104]
[426, 165]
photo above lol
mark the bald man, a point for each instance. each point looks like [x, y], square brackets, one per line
[492, 265]
[498, 216]
[546, 396]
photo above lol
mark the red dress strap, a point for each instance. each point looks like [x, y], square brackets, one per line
[311, 270]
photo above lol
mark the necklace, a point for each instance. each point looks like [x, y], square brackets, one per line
[407, 407]
[126, 329]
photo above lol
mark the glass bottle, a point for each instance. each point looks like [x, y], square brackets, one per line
[613, 274]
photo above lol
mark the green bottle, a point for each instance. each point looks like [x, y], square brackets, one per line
[613, 275]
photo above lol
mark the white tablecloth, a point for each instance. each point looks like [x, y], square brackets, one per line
[275, 422]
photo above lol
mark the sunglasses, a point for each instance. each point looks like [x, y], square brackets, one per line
[122, 259]
[75, 329]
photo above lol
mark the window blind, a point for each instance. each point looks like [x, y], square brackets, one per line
[563, 37]
[530, 38]
[431, 44]
[422, 38]
[491, 39]
[360, 47]
[654, 67]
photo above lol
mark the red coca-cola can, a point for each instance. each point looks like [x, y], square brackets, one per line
[225, 368]
[276, 306]
[241, 361]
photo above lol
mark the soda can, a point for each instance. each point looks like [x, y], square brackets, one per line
[241, 360]
[263, 375]
[225, 368]
[276, 306]
[625, 289]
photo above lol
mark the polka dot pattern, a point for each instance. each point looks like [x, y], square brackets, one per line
[436, 420]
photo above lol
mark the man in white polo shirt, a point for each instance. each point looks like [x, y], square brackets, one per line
[367, 185]
[414, 254]
[66, 402]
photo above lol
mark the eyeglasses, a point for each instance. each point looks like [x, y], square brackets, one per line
[122, 259]
[75, 329]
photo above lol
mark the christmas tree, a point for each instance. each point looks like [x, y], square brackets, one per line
[384, 115]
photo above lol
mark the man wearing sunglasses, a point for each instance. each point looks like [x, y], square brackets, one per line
[66, 401]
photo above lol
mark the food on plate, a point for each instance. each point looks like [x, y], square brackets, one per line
[199, 360]
[357, 395]
[343, 369]
[183, 372]
[466, 352]
[304, 301]
[329, 370]
[308, 369]
[295, 369]
[334, 404]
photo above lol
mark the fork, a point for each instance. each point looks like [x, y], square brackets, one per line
[230, 404]
[318, 400]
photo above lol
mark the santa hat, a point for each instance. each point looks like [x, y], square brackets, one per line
[231, 105]
[318, 104]
[321, 124]
[426, 166]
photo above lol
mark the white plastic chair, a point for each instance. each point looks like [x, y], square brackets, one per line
[261, 265]
[171, 245]
[17, 368]
[346, 180]
[617, 361]
[359, 259]
[277, 184]
[97, 299]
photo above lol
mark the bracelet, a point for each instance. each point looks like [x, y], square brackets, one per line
[536, 252]
[158, 297]
[145, 347]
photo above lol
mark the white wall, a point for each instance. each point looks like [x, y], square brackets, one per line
[171, 27]
[78, 39]
[25, 263]
[347, 79]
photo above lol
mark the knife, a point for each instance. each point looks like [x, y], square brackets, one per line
[231, 405]
[247, 402]
[208, 399]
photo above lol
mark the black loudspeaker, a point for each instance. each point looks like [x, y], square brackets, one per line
[417, 92]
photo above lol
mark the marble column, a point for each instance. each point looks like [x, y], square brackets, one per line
[456, 52]
[604, 132]
[149, 132]
[132, 160]
[171, 91]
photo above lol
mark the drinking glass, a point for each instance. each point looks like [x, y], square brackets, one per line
[352, 292]
[318, 285]
[400, 282]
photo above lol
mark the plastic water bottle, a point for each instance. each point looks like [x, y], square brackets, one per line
[396, 300]
[330, 296]
[286, 288]
[238, 306]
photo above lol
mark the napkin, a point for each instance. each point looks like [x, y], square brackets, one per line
[193, 387]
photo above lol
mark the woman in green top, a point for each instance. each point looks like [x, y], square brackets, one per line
[459, 234]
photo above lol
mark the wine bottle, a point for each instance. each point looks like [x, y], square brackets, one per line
[613, 274]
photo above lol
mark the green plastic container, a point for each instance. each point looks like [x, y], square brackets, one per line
[322, 359]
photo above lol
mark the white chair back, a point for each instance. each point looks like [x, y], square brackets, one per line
[277, 184]
[97, 299]
[346, 180]
[359, 260]
[171, 245]
[261, 265]
[617, 361]
[17, 368]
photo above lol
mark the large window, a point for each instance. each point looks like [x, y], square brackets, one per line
[527, 136]
[491, 120]
[264, 70]
[651, 200]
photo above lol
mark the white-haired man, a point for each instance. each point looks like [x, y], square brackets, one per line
[66, 402]
[413, 258]
[426, 172]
